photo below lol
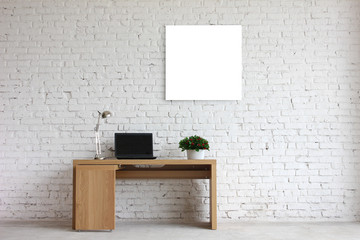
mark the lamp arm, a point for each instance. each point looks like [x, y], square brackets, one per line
[97, 145]
[105, 114]
[98, 123]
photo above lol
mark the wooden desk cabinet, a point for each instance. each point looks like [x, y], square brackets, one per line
[95, 197]
[94, 186]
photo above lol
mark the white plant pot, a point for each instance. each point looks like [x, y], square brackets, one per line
[192, 154]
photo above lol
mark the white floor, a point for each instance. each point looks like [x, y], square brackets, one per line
[13, 230]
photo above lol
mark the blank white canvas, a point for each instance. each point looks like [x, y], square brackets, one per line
[203, 62]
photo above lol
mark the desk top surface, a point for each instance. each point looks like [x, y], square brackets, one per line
[114, 161]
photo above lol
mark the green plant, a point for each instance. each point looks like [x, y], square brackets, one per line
[194, 143]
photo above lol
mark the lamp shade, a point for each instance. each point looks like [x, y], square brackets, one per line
[106, 114]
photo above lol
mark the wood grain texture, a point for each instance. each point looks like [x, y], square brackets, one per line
[74, 194]
[91, 177]
[213, 202]
[95, 197]
[148, 161]
[156, 174]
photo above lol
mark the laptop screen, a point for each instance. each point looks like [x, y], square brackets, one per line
[133, 144]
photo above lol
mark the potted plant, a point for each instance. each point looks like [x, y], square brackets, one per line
[195, 147]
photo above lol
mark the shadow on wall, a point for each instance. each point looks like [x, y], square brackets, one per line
[347, 72]
[43, 193]
[168, 199]
[60, 194]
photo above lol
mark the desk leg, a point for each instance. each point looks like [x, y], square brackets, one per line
[213, 205]
[74, 195]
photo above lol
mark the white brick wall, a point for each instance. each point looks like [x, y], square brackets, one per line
[288, 151]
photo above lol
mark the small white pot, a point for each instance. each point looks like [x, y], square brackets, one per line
[192, 154]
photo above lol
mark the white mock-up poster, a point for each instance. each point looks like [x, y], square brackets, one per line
[203, 62]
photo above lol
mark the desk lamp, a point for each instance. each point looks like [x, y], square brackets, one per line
[104, 114]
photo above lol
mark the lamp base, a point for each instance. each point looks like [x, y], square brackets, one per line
[99, 157]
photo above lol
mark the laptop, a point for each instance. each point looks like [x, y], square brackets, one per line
[134, 146]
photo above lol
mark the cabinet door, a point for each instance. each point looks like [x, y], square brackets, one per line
[95, 197]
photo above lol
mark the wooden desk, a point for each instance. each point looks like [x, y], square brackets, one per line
[94, 185]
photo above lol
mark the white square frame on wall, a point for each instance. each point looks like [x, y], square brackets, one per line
[203, 62]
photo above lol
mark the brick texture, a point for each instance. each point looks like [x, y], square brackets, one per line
[288, 151]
